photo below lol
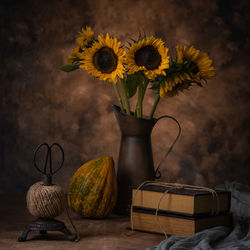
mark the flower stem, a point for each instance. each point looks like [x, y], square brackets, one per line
[145, 86]
[141, 93]
[157, 99]
[118, 97]
[139, 104]
[125, 96]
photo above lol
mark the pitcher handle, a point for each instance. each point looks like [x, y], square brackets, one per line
[157, 173]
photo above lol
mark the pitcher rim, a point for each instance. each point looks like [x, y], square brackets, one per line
[117, 108]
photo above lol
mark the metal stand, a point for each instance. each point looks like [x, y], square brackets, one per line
[46, 224]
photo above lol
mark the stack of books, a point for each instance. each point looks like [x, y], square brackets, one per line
[181, 212]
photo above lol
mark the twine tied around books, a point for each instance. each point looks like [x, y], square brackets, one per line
[174, 186]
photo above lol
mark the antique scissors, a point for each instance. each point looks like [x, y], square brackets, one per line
[47, 170]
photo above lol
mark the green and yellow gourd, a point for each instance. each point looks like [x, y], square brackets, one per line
[92, 191]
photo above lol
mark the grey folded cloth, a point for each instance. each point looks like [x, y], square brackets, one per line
[219, 237]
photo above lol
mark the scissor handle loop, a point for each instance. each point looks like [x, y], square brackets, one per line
[48, 158]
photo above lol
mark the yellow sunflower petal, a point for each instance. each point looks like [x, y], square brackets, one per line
[201, 60]
[104, 59]
[157, 60]
[86, 36]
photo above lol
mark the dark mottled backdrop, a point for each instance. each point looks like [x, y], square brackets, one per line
[40, 103]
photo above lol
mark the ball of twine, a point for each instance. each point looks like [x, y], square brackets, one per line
[45, 201]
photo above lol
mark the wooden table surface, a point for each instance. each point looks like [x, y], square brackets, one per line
[109, 233]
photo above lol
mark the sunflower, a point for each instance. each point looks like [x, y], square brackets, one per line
[200, 64]
[190, 66]
[175, 82]
[104, 59]
[148, 55]
[86, 37]
[76, 54]
[169, 89]
[83, 41]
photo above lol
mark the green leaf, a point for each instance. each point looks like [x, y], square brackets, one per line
[132, 83]
[70, 67]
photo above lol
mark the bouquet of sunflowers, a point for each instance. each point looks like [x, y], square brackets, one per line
[144, 62]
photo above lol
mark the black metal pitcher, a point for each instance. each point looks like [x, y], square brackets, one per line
[135, 163]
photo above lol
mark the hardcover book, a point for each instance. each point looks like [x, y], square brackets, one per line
[181, 201]
[173, 224]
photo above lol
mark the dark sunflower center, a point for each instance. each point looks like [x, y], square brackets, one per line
[148, 56]
[194, 68]
[105, 60]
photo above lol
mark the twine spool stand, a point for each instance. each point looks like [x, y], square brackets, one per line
[46, 200]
